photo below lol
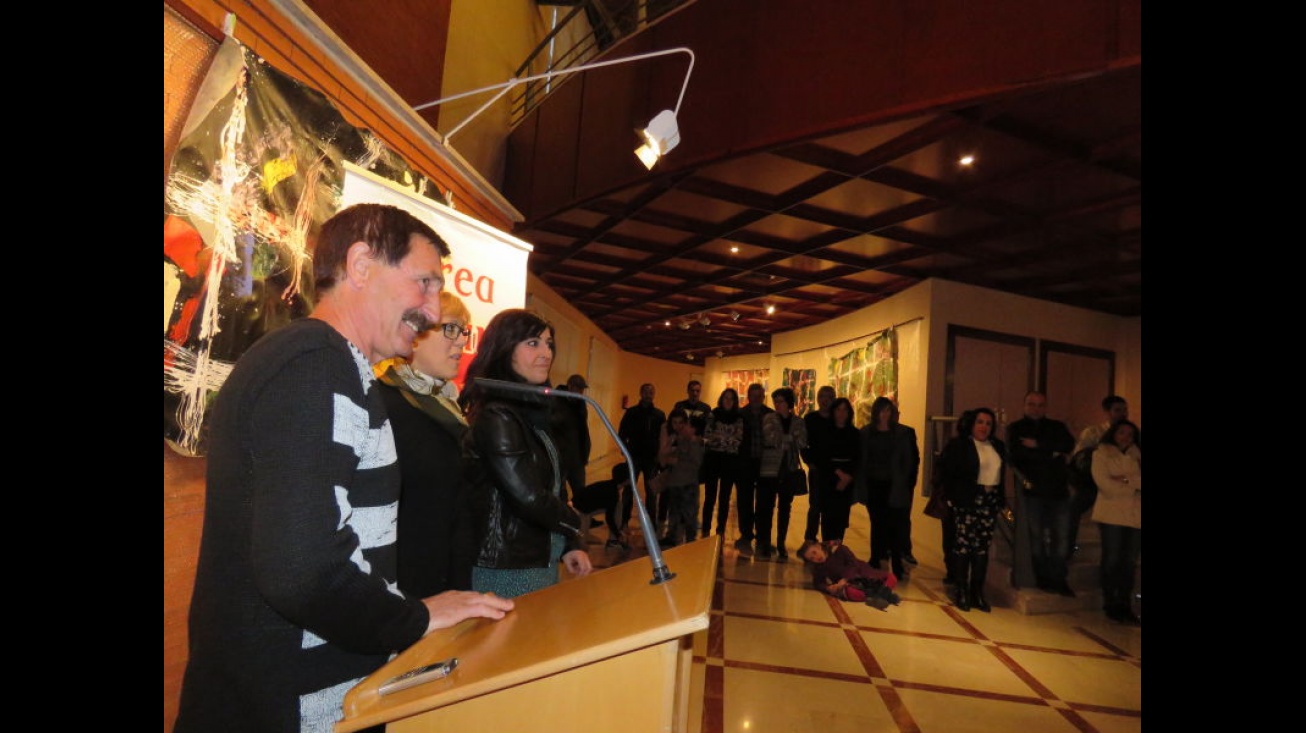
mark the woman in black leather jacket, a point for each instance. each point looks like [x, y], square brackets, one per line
[515, 468]
[974, 464]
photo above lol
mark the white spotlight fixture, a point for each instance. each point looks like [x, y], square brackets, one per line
[705, 320]
[734, 315]
[689, 357]
[660, 136]
[770, 310]
[720, 354]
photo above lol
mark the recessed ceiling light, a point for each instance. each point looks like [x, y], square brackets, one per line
[966, 160]
[734, 249]
[770, 310]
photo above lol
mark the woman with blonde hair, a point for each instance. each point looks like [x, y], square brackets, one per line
[437, 527]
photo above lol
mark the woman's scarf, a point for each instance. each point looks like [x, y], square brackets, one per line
[427, 394]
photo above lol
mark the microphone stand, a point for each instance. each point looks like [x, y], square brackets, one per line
[661, 573]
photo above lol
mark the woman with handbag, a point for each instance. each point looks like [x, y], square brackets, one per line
[886, 481]
[780, 476]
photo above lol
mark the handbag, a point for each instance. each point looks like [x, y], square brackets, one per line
[795, 480]
[658, 483]
[937, 506]
[1083, 489]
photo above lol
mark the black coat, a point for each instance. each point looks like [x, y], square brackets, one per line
[438, 527]
[960, 469]
[513, 471]
[1043, 466]
[904, 467]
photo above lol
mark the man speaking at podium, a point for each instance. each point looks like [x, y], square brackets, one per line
[295, 595]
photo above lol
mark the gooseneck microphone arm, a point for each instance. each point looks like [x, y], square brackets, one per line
[661, 573]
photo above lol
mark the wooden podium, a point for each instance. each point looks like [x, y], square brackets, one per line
[609, 651]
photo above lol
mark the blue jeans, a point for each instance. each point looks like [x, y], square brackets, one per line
[1121, 548]
[1049, 525]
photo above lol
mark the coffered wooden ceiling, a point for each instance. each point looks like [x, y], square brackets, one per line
[685, 266]
[1051, 208]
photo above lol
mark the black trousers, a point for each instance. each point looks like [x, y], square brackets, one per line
[720, 474]
[746, 497]
[772, 499]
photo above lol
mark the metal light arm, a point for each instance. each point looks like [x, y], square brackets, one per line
[507, 86]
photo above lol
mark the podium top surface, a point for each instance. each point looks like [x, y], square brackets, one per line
[609, 612]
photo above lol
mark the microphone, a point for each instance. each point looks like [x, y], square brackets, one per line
[661, 573]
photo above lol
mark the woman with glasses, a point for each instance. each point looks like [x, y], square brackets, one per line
[436, 540]
[517, 469]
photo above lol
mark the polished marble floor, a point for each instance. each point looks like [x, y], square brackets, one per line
[780, 657]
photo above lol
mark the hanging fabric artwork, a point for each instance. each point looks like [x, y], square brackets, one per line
[257, 170]
[867, 372]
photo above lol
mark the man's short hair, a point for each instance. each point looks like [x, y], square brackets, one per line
[1111, 401]
[387, 230]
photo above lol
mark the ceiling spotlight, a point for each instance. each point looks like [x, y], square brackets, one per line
[966, 160]
[734, 249]
[661, 135]
[689, 357]
[684, 325]
[705, 320]
[734, 315]
[720, 353]
[770, 310]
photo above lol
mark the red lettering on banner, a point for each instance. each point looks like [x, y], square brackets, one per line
[466, 284]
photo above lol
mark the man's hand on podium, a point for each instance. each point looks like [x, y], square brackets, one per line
[453, 606]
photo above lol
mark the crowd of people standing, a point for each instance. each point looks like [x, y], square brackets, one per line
[357, 500]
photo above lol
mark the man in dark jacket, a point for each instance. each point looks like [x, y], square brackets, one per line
[695, 407]
[750, 465]
[640, 430]
[571, 433]
[1040, 448]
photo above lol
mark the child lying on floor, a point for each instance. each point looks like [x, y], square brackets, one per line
[837, 571]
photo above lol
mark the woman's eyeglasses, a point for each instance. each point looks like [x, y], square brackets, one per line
[453, 330]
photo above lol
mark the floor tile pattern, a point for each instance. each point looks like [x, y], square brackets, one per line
[780, 657]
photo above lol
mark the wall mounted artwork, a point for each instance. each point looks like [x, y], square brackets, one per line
[867, 372]
[258, 169]
[739, 379]
[803, 383]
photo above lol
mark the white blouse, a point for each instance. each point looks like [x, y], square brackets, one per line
[990, 463]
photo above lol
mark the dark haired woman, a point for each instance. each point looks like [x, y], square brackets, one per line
[529, 526]
[784, 435]
[837, 471]
[890, 463]
[974, 465]
[1118, 511]
[722, 437]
